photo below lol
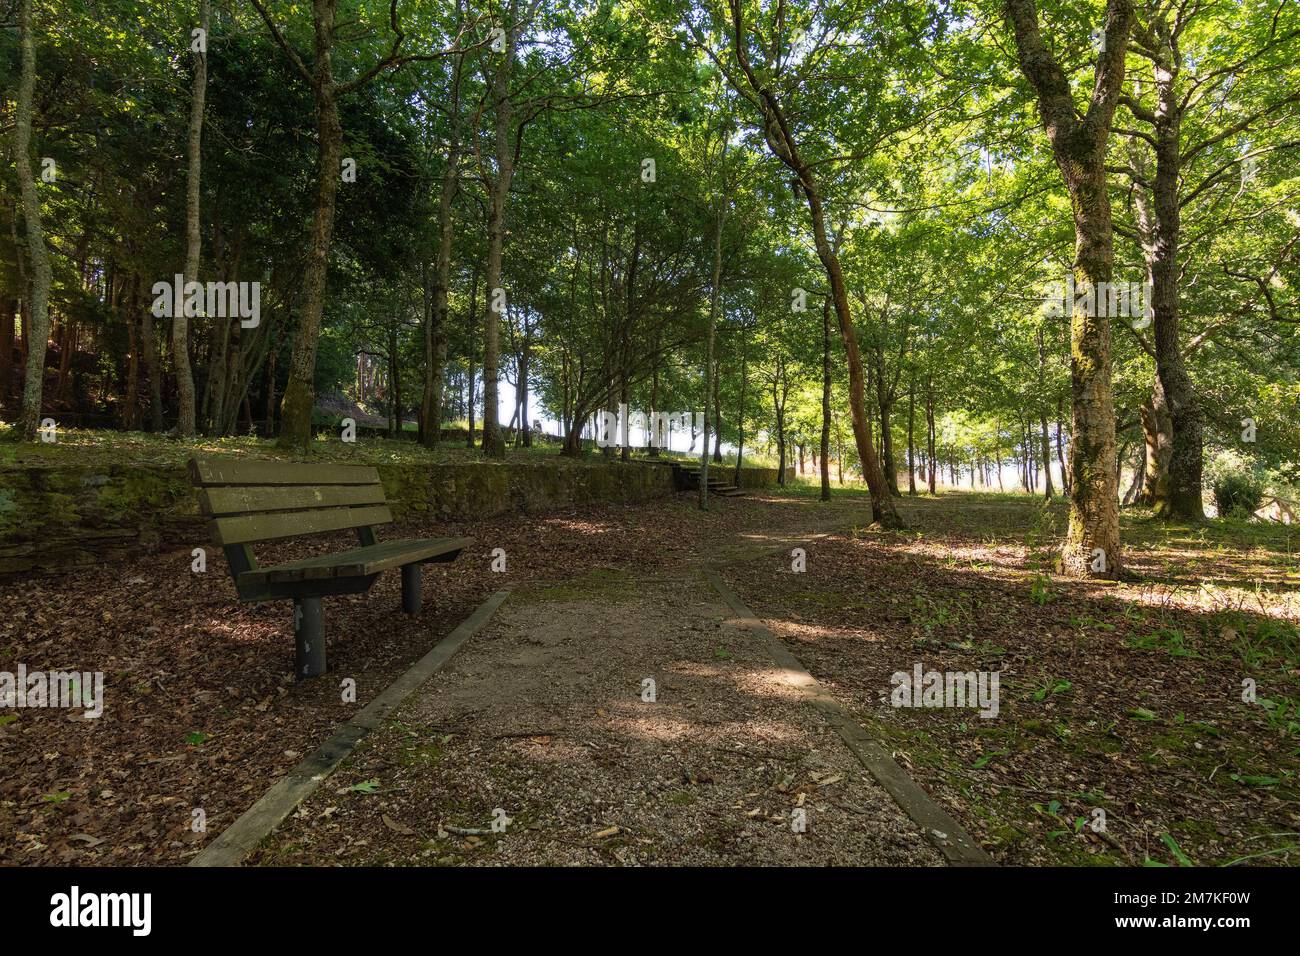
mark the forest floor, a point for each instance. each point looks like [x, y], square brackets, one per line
[1124, 698]
[1128, 699]
[201, 709]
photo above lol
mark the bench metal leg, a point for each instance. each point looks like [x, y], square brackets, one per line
[309, 635]
[411, 588]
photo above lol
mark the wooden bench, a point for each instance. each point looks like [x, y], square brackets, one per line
[252, 501]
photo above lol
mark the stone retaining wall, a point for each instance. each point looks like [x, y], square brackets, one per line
[56, 517]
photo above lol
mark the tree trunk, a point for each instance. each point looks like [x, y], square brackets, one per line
[435, 343]
[525, 360]
[37, 314]
[424, 430]
[885, 402]
[270, 388]
[499, 195]
[1048, 491]
[826, 400]
[652, 440]
[1179, 497]
[624, 399]
[717, 414]
[1026, 461]
[1046, 450]
[780, 140]
[131, 399]
[882, 506]
[740, 411]
[435, 336]
[911, 437]
[149, 345]
[473, 311]
[193, 235]
[66, 336]
[720, 220]
[1060, 449]
[1092, 545]
[778, 407]
[1134, 492]
[395, 378]
[839, 456]
[8, 310]
[219, 369]
[929, 434]
[300, 391]
[1157, 441]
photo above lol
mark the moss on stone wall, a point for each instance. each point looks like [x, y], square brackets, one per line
[484, 489]
[760, 477]
[55, 516]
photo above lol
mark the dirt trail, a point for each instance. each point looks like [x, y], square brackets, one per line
[201, 709]
[549, 716]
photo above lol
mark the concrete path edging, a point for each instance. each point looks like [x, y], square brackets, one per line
[241, 837]
[957, 846]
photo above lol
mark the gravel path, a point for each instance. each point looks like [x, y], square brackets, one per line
[547, 719]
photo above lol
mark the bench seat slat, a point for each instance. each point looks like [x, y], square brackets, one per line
[358, 561]
[226, 472]
[250, 499]
[267, 526]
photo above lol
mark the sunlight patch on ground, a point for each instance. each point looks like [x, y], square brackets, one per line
[580, 526]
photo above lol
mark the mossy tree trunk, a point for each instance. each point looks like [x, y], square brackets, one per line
[1092, 545]
[1157, 441]
[1177, 495]
[37, 314]
[300, 391]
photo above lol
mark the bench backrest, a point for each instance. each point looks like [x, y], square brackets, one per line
[250, 501]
